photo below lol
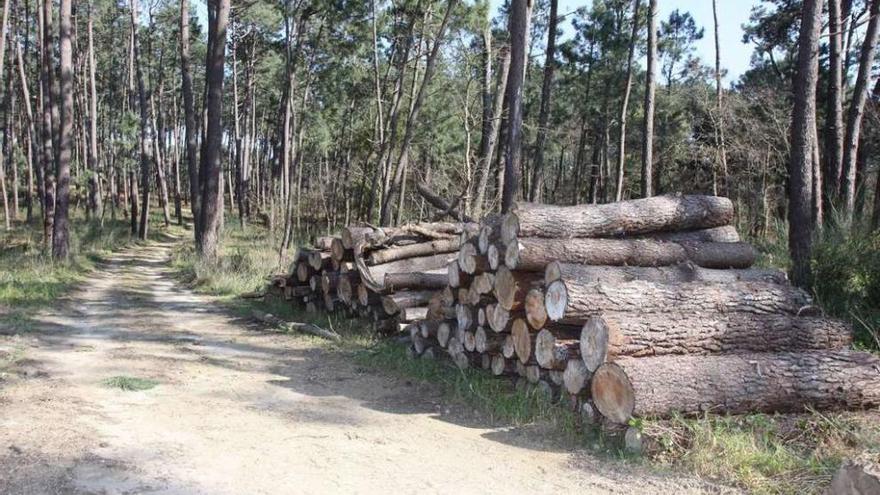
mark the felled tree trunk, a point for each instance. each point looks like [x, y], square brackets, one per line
[421, 249]
[511, 287]
[416, 280]
[685, 272]
[638, 216]
[616, 335]
[535, 253]
[573, 301]
[374, 276]
[394, 303]
[736, 383]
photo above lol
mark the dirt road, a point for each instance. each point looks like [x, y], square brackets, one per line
[241, 411]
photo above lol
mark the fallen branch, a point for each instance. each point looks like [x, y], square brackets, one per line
[441, 204]
[273, 320]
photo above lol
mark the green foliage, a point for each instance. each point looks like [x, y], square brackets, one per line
[130, 383]
[846, 272]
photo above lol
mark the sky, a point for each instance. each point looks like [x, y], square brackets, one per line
[732, 14]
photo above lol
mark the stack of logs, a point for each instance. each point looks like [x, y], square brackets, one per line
[641, 308]
[384, 275]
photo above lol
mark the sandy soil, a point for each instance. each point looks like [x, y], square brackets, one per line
[238, 410]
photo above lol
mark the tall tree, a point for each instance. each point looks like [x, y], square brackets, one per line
[518, 27]
[624, 107]
[648, 129]
[61, 233]
[834, 128]
[537, 185]
[800, 233]
[189, 111]
[214, 66]
[719, 104]
[857, 111]
[95, 201]
[146, 145]
[3, 26]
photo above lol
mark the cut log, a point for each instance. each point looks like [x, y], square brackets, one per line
[523, 340]
[352, 235]
[465, 316]
[390, 254]
[344, 290]
[469, 341]
[501, 319]
[434, 280]
[273, 320]
[409, 315]
[576, 376]
[457, 278]
[493, 256]
[323, 243]
[470, 261]
[315, 282]
[447, 297]
[508, 350]
[511, 287]
[725, 233]
[483, 283]
[445, 207]
[481, 317]
[536, 314]
[394, 303]
[303, 271]
[685, 272]
[554, 353]
[502, 366]
[490, 230]
[319, 260]
[533, 373]
[488, 342]
[651, 334]
[374, 276]
[572, 301]
[329, 281]
[438, 310]
[535, 253]
[444, 332]
[338, 251]
[634, 217]
[428, 329]
[736, 383]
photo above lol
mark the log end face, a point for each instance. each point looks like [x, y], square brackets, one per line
[536, 313]
[505, 288]
[522, 342]
[544, 344]
[552, 272]
[575, 376]
[594, 343]
[612, 393]
[509, 228]
[494, 257]
[556, 300]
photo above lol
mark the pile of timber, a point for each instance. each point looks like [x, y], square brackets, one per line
[642, 308]
[385, 275]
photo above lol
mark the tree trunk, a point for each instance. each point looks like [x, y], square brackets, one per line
[416, 280]
[512, 287]
[95, 199]
[648, 129]
[800, 166]
[615, 335]
[573, 301]
[146, 145]
[61, 233]
[736, 384]
[719, 92]
[211, 200]
[189, 121]
[640, 216]
[422, 249]
[624, 107]
[3, 26]
[857, 111]
[518, 26]
[834, 127]
[536, 190]
[685, 272]
[535, 253]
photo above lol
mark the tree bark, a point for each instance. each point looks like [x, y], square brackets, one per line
[736, 384]
[648, 128]
[394, 303]
[416, 280]
[800, 161]
[573, 301]
[535, 253]
[834, 127]
[146, 145]
[615, 335]
[211, 200]
[624, 106]
[518, 26]
[639, 216]
[190, 121]
[95, 199]
[685, 272]
[537, 186]
[61, 228]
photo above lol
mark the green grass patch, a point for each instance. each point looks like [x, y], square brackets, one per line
[766, 454]
[130, 383]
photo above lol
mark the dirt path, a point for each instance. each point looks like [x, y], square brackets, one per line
[242, 411]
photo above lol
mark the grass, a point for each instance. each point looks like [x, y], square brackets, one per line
[130, 383]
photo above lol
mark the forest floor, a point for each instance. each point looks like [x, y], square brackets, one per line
[135, 384]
